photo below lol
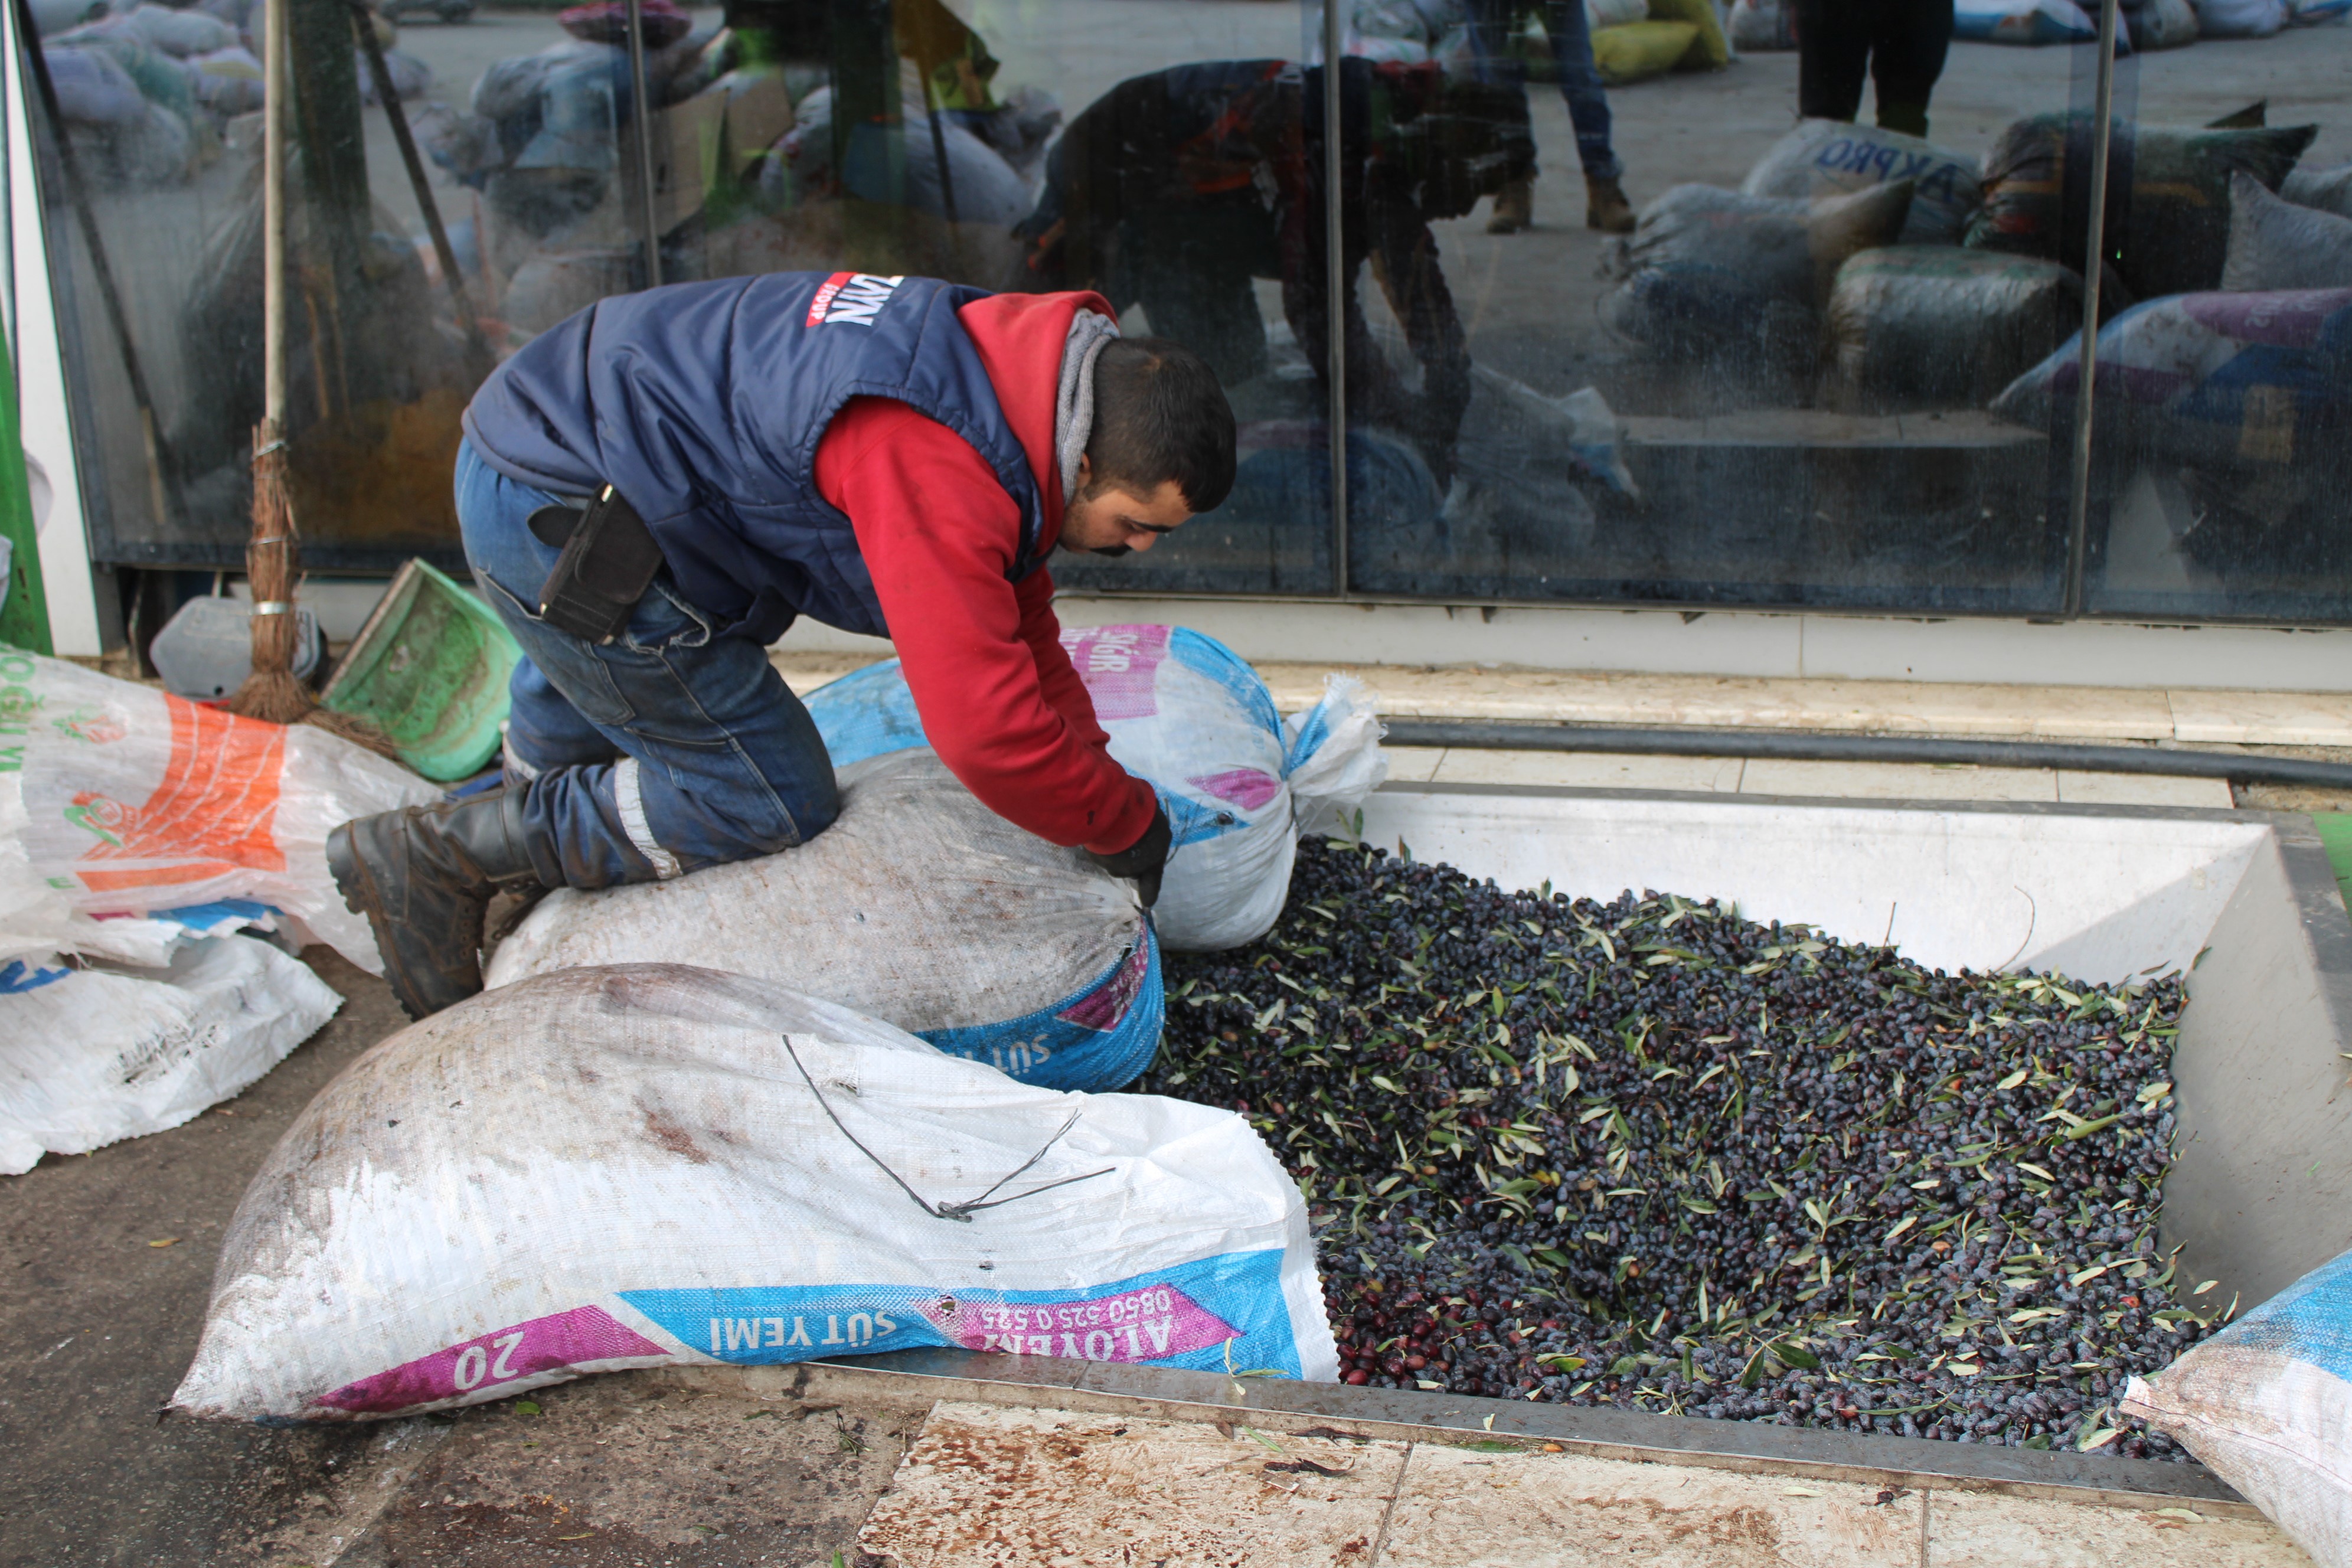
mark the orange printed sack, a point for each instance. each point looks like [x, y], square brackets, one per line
[120, 800]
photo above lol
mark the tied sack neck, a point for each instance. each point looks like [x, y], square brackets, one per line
[1073, 400]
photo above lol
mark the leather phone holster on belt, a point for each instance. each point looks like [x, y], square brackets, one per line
[608, 561]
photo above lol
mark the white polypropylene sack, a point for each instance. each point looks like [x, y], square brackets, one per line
[2267, 1404]
[2276, 244]
[2163, 24]
[1830, 157]
[918, 907]
[116, 798]
[1188, 714]
[88, 1056]
[92, 90]
[2329, 190]
[611, 1168]
[1185, 712]
[50, 17]
[986, 188]
[1406, 32]
[180, 33]
[1758, 26]
[137, 942]
[229, 81]
[2242, 18]
[2024, 22]
[1738, 281]
[2208, 380]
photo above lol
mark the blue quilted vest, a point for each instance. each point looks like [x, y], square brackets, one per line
[703, 404]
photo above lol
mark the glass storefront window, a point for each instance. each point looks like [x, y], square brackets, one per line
[2222, 480]
[514, 122]
[1778, 387]
[1618, 321]
[1162, 152]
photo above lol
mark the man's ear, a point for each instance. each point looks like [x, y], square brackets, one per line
[1085, 477]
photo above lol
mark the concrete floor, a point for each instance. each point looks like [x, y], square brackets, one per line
[985, 1487]
[96, 1324]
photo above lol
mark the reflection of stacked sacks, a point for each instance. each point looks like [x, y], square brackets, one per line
[1738, 281]
[543, 141]
[1926, 326]
[1669, 35]
[145, 92]
[1820, 264]
[2147, 24]
[1632, 39]
[2240, 396]
[1761, 25]
[129, 89]
[541, 144]
[992, 159]
[546, 135]
[2167, 194]
[2229, 385]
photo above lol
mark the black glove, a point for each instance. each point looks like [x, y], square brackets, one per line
[1143, 860]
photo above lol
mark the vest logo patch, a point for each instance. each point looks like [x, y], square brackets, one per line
[851, 297]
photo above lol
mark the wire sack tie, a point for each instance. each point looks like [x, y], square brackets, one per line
[963, 1211]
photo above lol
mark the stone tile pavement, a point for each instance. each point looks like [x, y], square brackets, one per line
[985, 1486]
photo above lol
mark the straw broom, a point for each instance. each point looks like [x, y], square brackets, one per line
[272, 691]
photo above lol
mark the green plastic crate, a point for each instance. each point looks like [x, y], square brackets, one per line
[2336, 836]
[430, 667]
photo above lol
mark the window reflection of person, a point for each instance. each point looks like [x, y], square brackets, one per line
[1175, 189]
[1568, 33]
[1900, 44]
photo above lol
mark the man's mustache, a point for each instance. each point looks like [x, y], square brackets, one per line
[1111, 549]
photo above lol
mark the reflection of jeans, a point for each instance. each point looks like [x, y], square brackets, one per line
[1571, 54]
[1900, 42]
[672, 748]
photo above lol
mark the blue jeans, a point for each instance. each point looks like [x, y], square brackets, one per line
[1571, 54]
[672, 748]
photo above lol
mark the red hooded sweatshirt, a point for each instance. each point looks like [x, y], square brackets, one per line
[999, 699]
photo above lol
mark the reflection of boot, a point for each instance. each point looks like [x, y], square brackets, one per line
[1605, 207]
[424, 878]
[1515, 208]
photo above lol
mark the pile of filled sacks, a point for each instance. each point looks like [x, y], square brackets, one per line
[144, 90]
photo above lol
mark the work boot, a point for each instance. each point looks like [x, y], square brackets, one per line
[1605, 207]
[1514, 209]
[424, 877]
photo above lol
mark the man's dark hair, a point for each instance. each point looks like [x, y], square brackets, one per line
[1160, 414]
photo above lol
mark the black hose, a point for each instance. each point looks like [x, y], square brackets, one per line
[1803, 746]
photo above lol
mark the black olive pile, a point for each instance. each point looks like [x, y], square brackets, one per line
[1650, 1154]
